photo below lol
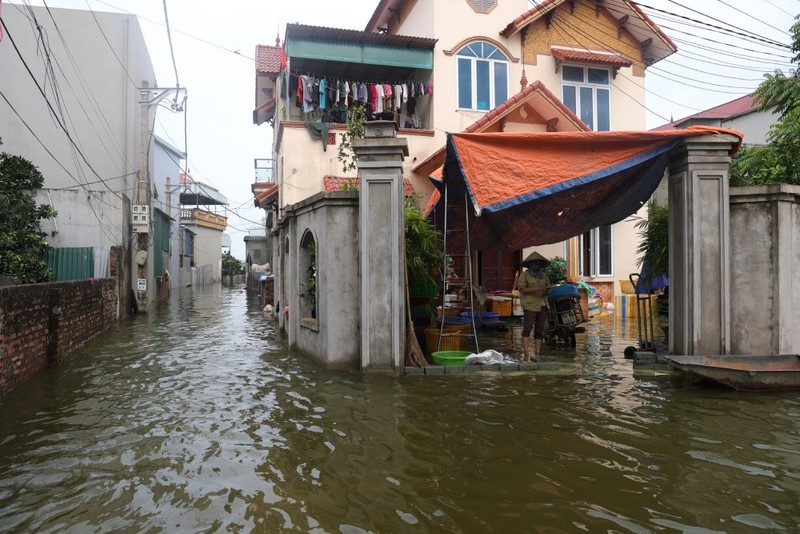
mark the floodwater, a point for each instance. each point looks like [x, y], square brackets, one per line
[197, 418]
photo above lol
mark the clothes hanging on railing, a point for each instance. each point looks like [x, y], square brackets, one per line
[383, 100]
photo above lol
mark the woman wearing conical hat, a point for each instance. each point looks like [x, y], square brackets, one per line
[533, 288]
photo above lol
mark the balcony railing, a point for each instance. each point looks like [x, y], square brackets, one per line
[204, 218]
[265, 170]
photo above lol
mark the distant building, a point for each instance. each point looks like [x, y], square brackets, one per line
[85, 135]
[739, 114]
[199, 216]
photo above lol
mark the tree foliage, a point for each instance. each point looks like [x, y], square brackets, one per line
[355, 130]
[423, 245]
[22, 243]
[779, 160]
[556, 271]
[230, 265]
[653, 246]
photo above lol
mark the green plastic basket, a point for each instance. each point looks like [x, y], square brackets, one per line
[450, 357]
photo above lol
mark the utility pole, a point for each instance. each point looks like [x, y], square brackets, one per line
[141, 213]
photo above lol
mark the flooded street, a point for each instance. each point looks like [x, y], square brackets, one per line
[197, 418]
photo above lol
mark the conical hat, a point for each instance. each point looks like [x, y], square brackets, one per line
[535, 256]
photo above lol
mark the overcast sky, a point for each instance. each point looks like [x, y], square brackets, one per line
[215, 43]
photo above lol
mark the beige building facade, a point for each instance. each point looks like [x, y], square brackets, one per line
[490, 66]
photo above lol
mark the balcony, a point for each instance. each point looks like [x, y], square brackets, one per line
[204, 218]
[265, 170]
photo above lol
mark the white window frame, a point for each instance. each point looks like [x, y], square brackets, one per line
[594, 88]
[474, 77]
[594, 260]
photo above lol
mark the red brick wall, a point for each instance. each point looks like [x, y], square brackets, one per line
[162, 288]
[40, 323]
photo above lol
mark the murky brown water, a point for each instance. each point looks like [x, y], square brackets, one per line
[198, 419]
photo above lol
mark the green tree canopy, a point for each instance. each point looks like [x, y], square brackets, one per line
[230, 265]
[779, 160]
[22, 243]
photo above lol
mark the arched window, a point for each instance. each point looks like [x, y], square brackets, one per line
[482, 6]
[482, 76]
[308, 276]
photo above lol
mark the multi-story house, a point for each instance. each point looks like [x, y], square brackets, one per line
[460, 65]
[203, 228]
[72, 91]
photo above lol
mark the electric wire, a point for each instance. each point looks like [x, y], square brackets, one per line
[105, 125]
[89, 194]
[50, 106]
[200, 39]
[656, 70]
[741, 32]
[171, 49]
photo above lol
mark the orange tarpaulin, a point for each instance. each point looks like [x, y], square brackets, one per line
[535, 188]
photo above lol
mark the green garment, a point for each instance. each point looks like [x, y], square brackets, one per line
[532, 302]
[319, 130]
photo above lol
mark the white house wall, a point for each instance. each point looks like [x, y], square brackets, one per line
[83, 220]
[207, 253]
[166, 165]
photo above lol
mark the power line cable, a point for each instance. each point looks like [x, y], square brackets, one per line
[752, 17]
[105, 37]
[90, 96]
[735, 31]
[655, 70]
[779, 8]
[200, 39]
[171, 49]
[50, 106]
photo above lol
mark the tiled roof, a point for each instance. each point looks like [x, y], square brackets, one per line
[268, 59]
[341, 183]
[498, 112]
[528, 16]
[264, 197]
[598, 58]
[728, 110]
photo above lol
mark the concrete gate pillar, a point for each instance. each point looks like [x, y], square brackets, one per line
[381, 222]
[699, 247]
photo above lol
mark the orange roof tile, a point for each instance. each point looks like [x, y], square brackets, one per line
[268, 59]
[584, 56]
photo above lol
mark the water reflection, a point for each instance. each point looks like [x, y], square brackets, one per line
[198, 418]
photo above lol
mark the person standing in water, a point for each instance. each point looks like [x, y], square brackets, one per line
[533, 288]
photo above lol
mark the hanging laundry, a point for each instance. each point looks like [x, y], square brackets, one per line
[398, 96]
[323, 96]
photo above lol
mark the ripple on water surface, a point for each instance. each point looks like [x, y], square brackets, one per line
[198, 418]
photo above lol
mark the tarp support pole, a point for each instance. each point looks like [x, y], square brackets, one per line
[469, 272]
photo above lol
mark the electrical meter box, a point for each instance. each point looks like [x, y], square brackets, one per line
[140, 218]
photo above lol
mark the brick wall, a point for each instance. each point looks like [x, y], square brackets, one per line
[40, 323]
[162, 287]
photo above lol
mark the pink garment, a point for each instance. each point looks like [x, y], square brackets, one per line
[373, 93]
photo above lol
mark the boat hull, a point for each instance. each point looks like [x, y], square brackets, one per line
[745, 373]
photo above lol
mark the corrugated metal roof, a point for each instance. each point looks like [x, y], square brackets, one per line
[302, 31]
